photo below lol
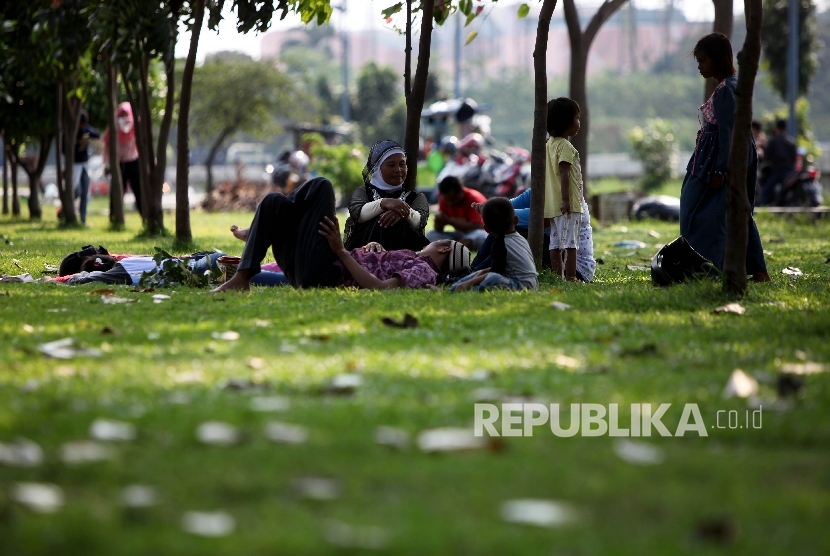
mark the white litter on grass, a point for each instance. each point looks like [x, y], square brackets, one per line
[345, 382]
[541, 513]
[638, 453]
[105, 429]
[23, 453]
[218, 433]
[139, 496]
[792, 272]
[160, 298]
[318, 488]
[85, 451]
[350, 536]
[730, 308]
[208, 524]
[566, 361]
[285, 433]
[28, 328]
[66, 349]
[392, 437]
[806, 368]
[741, 385]
[256, 363]
[559, 306]
[270, 403]
[449, 439]
[229, 335]
[40, 497]
[153, 335]
[114, 300]
[638, 267]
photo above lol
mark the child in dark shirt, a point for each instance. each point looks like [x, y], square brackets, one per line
[512, 264]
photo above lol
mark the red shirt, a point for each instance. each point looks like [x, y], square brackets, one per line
[463, 209]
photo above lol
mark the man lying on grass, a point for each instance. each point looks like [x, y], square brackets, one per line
[304, 234]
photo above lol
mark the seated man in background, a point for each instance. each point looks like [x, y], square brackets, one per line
[456, 209]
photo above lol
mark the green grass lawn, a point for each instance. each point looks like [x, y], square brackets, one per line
[741, 491]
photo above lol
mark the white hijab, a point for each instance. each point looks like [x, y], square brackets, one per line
[377, 179]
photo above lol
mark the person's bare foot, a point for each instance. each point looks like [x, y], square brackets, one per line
[761, 277]
[240, 233]
[239, 282]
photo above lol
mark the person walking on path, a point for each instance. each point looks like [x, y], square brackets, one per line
[703, 195]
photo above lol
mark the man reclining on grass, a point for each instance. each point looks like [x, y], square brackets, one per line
[304, 234]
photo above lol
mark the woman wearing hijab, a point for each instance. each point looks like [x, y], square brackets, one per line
[382, 210]
[127, 152]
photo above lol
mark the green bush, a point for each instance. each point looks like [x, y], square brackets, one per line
[342, 164]
[654, 145]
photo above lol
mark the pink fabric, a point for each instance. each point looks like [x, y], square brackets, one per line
[127, 149]
[413, 270]
[708, 108]
[271, 267]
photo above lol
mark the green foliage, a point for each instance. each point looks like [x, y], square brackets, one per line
[257, 14]
[176, 271]
[775, 38]
[342, 164]
[245, 96]
[380, 109]
[655, 147]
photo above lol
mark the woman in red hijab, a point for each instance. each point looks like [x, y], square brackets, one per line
[127, 152]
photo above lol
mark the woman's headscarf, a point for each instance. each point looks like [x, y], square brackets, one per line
[126, 133]
[379, 152]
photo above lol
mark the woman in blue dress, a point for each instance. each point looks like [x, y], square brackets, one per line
[703, 196]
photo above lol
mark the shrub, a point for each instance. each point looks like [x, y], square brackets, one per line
[655, 147]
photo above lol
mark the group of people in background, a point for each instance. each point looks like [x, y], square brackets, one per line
[778, 160]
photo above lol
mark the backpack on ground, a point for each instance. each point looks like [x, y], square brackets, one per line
[71, 264]
[678, 262]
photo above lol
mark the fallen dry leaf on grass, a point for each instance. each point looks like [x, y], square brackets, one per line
[256, 363]
[208, 524]
[66, 349]
[270, 403]
[637, 268]
[229, 336]
[719, 530]
[638, 453]
[113, 300]
[28, 328]
[559, 306]
[450, 439]
[343, 384]
[102, 291]
[108, 330]
[217, 433]
[541, 513]
[23, 453]
[408, 322]
[729, 308]
[741, 385]
[40, 497]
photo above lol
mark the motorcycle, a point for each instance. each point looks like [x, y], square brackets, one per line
[800, 189]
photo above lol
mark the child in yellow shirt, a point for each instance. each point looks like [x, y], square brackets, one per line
[564, 200]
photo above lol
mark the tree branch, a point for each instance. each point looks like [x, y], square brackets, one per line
[608, 8]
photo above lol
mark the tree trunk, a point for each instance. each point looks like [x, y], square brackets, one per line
[737, 201]
[15, 198]
[536, 228]
[407, 65]
[155, 215]
[183, 232]
[580, 47]
[59, 135]
[724, 22]
[415, 101]
[5, 178]
[116, 185]
[164, 128]
[212, 156]
[71, 119]
[34, 173]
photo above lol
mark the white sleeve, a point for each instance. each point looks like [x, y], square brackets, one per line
[414, 218]
[370, 210]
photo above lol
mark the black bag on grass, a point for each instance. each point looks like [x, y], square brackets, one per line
[678, 262]
[71, 264]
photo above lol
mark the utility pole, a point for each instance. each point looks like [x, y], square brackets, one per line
[456, 90]
[345, 106]
[792, 65]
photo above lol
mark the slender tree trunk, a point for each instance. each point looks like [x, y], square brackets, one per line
[183, 232]
[116, 185]
[212, 156]
[34, 173]
[540, 110]
[580, 47]
[737, 202]
[15, 198]
[143, 153]
[724, 22]
[415, 101]
[59, 135]
[5, 177]
[72, 116]
[407, 67]
[155, 218]
[164, 128]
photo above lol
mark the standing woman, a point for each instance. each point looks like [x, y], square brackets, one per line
[382, 210]
[703, 196]
[127, 152]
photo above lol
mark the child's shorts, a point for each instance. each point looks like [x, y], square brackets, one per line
[564, 231]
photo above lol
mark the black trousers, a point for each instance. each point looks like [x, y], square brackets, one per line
[131, 174]
[289, 225]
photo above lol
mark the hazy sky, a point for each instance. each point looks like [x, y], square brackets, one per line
[365, 14]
